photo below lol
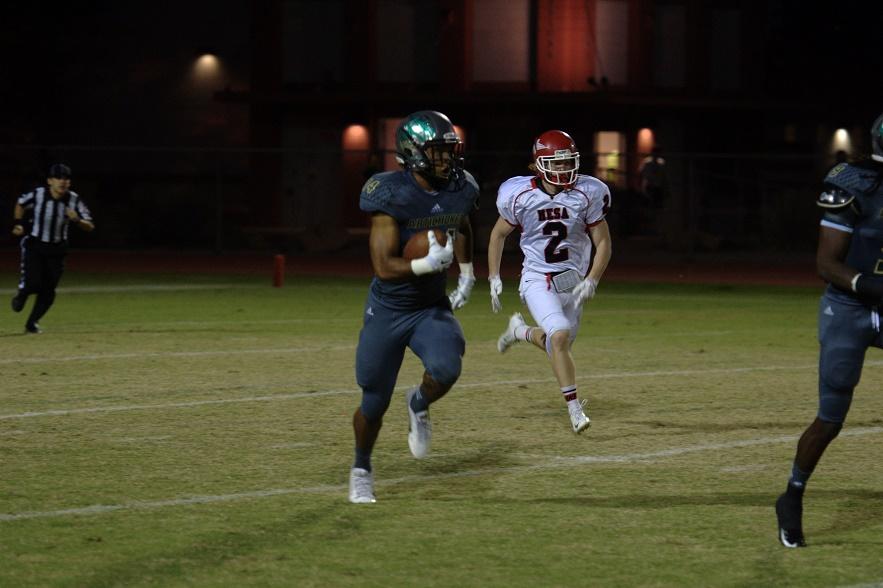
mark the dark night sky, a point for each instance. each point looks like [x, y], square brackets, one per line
[119, 73]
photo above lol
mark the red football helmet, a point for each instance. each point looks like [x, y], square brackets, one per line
[556, 157]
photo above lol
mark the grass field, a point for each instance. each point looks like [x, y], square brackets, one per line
[195, 431]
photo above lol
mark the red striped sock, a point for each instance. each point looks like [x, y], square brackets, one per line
[523, 333]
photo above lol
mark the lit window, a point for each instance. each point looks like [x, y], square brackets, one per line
[609, 149]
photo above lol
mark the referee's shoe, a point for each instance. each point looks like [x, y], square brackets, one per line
[18, 301]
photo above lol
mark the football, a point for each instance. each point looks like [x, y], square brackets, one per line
[418, 245]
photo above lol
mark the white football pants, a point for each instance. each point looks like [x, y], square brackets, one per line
[552, 311]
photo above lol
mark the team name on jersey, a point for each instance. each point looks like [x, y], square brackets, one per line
[428, 222]
[547, 214]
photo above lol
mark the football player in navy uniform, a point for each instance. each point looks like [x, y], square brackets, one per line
[849, 258]
[407, 305]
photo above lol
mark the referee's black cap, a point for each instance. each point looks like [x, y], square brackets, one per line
[59, 170]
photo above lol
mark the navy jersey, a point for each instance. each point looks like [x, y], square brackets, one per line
[857, 208]
[398, 195]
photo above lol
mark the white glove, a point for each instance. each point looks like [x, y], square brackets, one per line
[496, 290]
[460, 296]
[585, 290]
[437, 260]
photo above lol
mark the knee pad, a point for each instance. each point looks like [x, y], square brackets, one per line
[550, 338]
[445, 371]
[374, 405]
[841, 376]
[834, 405]
[552, 324]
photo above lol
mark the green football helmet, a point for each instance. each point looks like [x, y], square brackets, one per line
[432, 131]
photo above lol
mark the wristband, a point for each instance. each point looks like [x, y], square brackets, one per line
[854, 281]
[467, 270]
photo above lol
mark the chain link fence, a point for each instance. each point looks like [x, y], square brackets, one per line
[227, 200]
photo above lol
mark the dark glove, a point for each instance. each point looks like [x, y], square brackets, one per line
[870, 288]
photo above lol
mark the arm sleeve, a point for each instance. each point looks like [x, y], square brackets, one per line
[842, 219]
[83, 210]
[26, 200]
[598, 207]
[506, 206]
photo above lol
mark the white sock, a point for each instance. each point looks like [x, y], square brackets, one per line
[523, 333]
[569, 393]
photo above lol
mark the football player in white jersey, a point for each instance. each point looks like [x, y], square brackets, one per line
[561, 216]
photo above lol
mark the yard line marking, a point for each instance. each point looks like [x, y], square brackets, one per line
[153, 354]
[143, 288]
[189, 404]
[654, 455]
[98, 509]
[319, 393]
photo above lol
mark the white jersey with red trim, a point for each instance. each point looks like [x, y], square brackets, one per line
[554, 229]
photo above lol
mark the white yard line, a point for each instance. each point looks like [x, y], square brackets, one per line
[154, 354]
[319, 393]
[110, 289]
[98, 509]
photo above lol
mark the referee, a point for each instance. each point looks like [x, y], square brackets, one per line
[44, 247]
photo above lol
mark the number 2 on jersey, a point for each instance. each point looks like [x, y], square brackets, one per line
[559, 233]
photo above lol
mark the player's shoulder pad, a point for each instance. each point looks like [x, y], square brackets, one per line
[470, 180]
[379, 191]
[591, 184]
[834, 197]
[514, 186]
[854, 179]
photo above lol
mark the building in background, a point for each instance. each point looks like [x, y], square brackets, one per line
[331, 78]
[254, 124]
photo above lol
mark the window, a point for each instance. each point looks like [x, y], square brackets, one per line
[500, 41]
[612, 38]
[610, 157]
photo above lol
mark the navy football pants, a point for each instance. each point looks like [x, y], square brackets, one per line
[433, 334]
[845, 333]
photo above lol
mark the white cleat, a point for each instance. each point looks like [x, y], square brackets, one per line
[578, 418]
[419, 428]
[507, 339]
[361, 486]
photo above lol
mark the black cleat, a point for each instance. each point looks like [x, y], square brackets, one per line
[33, 329]
[789, 512]
[18, 302]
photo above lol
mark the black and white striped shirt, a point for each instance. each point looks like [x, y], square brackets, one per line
[50, 215]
